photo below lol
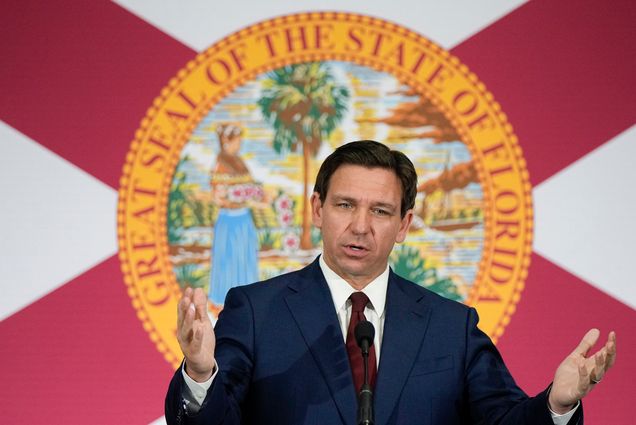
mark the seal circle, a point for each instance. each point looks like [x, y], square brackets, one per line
[413, 60]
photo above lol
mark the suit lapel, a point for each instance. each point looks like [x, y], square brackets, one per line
[405, 325]
[311, 305]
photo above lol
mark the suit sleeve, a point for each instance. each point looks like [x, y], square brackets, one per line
[494, 397]
[234, 355]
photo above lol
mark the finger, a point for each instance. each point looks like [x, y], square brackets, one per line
[198, 296]
[187, 296]
[611, 339]
[182, 307]
[587, 342]
[611, 350]
[185, 331]
[202, 310]
[599, 367]
[584, 378]
[197, 339]
[200, 303]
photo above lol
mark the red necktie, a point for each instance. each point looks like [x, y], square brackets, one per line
[358, 302]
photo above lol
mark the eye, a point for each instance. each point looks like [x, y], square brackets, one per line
[380, 211]
[344, 205]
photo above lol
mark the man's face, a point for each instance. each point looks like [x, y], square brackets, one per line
[360, 221]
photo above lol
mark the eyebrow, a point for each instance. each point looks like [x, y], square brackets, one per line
[351, 200]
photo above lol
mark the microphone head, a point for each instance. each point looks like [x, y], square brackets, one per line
[364, 332]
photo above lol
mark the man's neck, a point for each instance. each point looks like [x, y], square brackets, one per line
[356, 283]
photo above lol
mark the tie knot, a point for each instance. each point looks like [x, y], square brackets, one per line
[359, 301]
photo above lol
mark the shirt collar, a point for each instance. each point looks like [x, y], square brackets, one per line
[341, 290]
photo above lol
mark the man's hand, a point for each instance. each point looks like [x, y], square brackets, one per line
[578, 374]
[196, 334]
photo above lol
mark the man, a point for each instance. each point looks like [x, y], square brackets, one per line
[278, 353]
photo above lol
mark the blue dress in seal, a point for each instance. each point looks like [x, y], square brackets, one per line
[235, 241]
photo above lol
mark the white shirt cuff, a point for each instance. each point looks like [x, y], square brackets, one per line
[198, 390]
[564, 418]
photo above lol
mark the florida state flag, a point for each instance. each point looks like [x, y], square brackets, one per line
[149, 146]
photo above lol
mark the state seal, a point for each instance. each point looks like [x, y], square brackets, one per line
[214, 191]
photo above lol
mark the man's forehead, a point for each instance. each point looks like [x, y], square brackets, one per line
[347, 168]
[357, 197]
[355, 182]
[349, 173]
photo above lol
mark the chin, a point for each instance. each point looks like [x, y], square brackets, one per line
[356, 271]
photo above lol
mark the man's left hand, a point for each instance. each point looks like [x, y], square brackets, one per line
[578, 374]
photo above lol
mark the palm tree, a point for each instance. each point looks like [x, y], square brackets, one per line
[304, 104]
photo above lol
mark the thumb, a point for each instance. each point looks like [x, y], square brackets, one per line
[588, 341]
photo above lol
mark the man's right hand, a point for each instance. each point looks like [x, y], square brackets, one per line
[196, 334]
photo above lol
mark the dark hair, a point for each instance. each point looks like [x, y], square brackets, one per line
[370, 154]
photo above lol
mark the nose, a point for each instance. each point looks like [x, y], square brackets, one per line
[360, 222]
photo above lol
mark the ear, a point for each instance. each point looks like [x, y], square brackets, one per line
[316, 210]
[404, 226]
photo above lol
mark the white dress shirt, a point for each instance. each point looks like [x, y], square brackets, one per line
[374, 311]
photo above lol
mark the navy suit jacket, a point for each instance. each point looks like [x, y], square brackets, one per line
[282, 360]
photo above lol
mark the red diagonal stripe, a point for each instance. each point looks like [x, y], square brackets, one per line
[78, 77]
[563, 72]
[80, 355]
[555, 311]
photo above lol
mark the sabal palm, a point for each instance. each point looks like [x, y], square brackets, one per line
[304, 104]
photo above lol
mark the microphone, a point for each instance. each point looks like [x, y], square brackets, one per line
[364, 333]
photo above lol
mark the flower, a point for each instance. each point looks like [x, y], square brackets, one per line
[291, 242]
[285, 218]
[237, 193]
[244, 192]
[283, 203]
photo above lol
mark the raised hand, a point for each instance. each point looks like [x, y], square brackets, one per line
[196, 334]
[578, 374]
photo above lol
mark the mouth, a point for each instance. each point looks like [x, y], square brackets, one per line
[355, 250]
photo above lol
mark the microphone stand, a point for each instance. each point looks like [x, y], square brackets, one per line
[365, 398]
